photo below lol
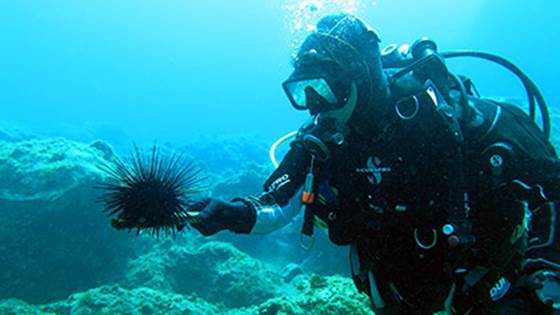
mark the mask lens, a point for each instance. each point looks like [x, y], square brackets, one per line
[298, 92]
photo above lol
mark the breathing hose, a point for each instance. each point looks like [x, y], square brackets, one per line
[533, 93]
[272, 151]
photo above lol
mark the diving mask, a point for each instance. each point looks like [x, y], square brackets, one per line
[317, 88]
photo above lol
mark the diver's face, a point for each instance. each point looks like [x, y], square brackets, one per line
[340, 116]
[328, 127]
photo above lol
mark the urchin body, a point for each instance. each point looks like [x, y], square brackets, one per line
[153, 192]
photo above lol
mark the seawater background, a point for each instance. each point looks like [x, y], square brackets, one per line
[175, 69]
[202, 78]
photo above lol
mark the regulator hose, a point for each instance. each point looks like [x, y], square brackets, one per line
[533, 93]
[272, 150]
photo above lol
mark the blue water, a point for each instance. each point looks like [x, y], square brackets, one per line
[174, 69]
[180, 73]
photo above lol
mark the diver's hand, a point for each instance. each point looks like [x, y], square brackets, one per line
[214, 215]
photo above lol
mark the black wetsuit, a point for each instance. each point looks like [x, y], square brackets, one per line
[389, 195]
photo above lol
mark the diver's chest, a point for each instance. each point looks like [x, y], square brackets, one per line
[376, 169]
[381, 176]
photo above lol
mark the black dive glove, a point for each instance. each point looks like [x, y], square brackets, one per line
[215, 215]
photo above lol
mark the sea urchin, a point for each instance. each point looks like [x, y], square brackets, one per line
[153, 192]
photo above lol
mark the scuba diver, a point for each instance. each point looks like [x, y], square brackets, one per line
[447, 200]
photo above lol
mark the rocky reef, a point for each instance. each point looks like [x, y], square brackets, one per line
[315, 295]
[11, 133]
[319, 295]
[111, 300]
[215, 271]
[64, 258]
[58, 240]
[190, 276]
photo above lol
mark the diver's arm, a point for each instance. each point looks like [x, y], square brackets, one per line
[269, 215]
[281, 200]
[258, 214]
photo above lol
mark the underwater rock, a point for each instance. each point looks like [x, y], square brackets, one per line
[318, 295]
[290, 271]
[332, 295]
[45, 169]
[104, 148]
[217, 272]
[116, 300]
[18, 307]
[323, 257]
[112, 133]
[247, 180]
[149, 270]
[221, 153]
[58, 239]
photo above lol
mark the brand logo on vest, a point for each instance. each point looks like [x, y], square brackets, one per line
[374, 170]
[500, 289]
